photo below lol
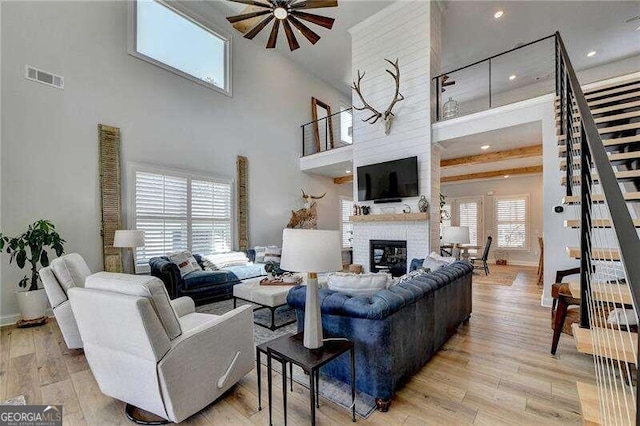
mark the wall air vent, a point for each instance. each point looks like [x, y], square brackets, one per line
[44, 77]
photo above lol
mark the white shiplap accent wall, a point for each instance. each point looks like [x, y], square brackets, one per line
[400, 31]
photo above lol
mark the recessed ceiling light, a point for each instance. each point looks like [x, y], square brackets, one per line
[347, 171]
[592, 53]
[498, 14]
[484, 147]
[506, 176]
[512, 77]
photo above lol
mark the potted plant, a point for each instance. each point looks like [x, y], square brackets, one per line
[30, 249]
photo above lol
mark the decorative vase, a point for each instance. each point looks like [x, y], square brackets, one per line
[32, 304]
[450, 109]
[423, 204]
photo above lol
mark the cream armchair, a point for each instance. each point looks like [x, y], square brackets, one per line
[143, 352]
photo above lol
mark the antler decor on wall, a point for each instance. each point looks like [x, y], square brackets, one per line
[387, 116]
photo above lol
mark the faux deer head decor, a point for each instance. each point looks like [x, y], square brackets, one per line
[387, 116]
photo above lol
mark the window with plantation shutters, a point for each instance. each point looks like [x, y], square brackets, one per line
[179, 211]
[468, 216]
[346, 227]
[511, 218]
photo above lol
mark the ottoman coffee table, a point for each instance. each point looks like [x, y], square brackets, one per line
[265, 296]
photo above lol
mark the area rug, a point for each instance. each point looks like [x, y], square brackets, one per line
[16, 400]
[331, 389]
[503, 278]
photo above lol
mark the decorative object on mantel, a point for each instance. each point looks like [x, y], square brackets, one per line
[365, 210]
[357, 211]
[110, 195]
[406, 209]
[450, 109]
[242, 170]
[306, 217]
[388, 115]
[319, 111]
[284, 12]
[423, 204]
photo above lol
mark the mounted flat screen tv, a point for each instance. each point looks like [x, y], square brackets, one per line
[389, 181]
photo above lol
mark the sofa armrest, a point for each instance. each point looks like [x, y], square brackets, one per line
[206, 361]
[168, 272]
[183, 306]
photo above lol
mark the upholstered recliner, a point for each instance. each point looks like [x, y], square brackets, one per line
[61, 275]
[163, 358]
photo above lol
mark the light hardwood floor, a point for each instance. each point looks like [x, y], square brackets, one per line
[495, 370]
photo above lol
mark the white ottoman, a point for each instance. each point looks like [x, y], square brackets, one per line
[267, 296]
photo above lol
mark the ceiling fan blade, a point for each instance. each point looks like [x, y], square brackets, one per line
[255, 30]
[273, 37]
[306, 31]
[238, 18]
[252, 3]
[323, 21]
[314, 4]
[291, 38]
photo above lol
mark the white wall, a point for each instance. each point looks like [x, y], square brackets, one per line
[49, 138]
[516, 185]
[402, 31]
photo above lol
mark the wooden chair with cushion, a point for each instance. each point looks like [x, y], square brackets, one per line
[485, 255]
[564, 306]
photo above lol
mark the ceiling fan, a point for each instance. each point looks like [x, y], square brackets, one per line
[284, 12]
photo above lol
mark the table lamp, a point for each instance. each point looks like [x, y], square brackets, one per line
[311, 251]
[456, 235]
[129, 239]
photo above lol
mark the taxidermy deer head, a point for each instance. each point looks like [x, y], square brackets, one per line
[387, 116]
[307, 199]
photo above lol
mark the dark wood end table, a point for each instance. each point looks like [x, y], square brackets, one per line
[290, 348]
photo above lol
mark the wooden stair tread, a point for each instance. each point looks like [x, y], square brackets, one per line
[598, 88]
[598, 111]
[589, 397]
[606, 118]
[617, 293]
[620, 175]
[595, 223]
[596, 254]
[598, 198]
[612, 129]
[607, 100]
[613, 91]
[605, 142]
[613, 158]
[587, 344]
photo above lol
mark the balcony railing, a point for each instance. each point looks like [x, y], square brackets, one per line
[523, 72]
[327, 133]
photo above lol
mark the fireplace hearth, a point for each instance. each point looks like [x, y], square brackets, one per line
[388, 256]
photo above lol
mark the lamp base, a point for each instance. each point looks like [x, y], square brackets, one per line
[312, 316]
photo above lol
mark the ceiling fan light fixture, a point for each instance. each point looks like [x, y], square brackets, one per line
[280, 13]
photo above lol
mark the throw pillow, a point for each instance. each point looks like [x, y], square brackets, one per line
[260, 252]
[272, 254]
[358, 284]
[224, 260]
[208, 266]
[183, 260]
[447, 260]
[409, 276]
[433, 264]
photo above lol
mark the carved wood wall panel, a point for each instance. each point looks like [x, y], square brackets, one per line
[242, 164]
[110, 195]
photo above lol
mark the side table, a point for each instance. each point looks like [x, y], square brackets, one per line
[290, 348]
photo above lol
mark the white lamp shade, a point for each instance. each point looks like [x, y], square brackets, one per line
[455, 234]
[128, 238]
[310, 250]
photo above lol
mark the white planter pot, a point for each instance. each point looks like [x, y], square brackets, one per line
[32, 304]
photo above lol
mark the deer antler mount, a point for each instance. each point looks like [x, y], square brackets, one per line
[388, 115]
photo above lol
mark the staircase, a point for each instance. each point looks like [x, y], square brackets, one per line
[599, 145]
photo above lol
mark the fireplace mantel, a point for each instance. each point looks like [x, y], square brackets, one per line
[397, 217]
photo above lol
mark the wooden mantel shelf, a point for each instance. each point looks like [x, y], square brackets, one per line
[396, 217]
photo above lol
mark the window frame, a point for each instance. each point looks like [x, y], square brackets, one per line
[454, 203]
[527, 221]
[133, 167]
[132, 31]
[342, 199]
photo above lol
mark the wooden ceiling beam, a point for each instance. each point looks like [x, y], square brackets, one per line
[492, 157]
[343, 179]
[492, 174]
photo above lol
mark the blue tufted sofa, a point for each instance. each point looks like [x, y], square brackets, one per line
[396, 331]
[203, 286]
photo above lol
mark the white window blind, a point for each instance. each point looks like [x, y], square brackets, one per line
[346, 207]
[178, 212]
[511, 222]
[468, 216]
